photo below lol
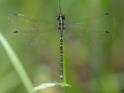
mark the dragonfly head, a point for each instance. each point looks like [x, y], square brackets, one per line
[61, 16]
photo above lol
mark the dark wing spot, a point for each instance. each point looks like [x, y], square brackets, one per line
[16, 31]
[107, 13]
[107, 32]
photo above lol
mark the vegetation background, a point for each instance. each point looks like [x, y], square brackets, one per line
[93, 44]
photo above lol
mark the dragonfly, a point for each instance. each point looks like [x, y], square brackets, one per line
[25, 24]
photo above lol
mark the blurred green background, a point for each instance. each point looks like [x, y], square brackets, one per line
[93, 44]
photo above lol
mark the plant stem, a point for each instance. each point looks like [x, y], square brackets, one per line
[17, 64]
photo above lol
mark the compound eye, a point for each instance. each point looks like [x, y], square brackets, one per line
[58, 17]
[63, 17]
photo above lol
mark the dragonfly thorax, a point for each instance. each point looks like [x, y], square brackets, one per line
[60, 16]
[61, 21]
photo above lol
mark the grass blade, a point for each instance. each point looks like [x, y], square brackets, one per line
[17, 64]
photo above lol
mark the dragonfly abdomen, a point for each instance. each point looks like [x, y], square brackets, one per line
[61, 27]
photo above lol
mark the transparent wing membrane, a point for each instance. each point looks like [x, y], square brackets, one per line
[80, 25]
[22, 24]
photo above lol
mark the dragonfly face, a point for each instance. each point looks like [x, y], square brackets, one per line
[60, 16]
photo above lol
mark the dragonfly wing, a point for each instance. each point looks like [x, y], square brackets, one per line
[90, 24]
[23, 24]
[34, 30]
[85, 18]
[87, 27]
